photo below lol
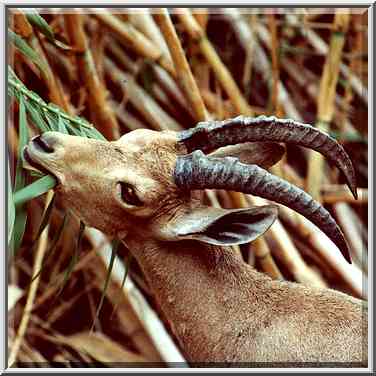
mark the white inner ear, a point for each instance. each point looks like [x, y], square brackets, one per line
[227, 227]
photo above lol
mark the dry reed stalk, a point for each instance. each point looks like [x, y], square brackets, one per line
[57, 312]
[224, 198]
[212, 197]
[14, 294]
[288, 253]
[148, 318]
[55, 88]
[18, 59]
[67, 242]
[56, 284]
[275, 65]
[319, 45]
[129, 120]
[260, 61]
[307, 81]
[40, 252]
[325, 248]
[144, 22]
[89, 346]
[12, 141]
[202, 72]
[97, 46]
[101, 348]
[305, 228]
[354, 68]
[140, 99]
[172, 89]
[43, 324]
[134, 39]
[292, 176]
[161, 75]
[313, 14]
[24, 267]
[160, 95]
[330, 193]
[202, 17]
[219, 113]
[345, 217]
[309, 25]
[62, 63]
[20, 24]
[96, 326]
[247, 73]
[103, 117]
[275, 103]
[333, 193]
[315, 261]
[262, 253]
[115, 49]
[183, 71]
[211, 103]
[222, 73]
[326, 99]
[13, 276]
[35, 356]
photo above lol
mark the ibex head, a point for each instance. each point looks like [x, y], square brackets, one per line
[147, 182]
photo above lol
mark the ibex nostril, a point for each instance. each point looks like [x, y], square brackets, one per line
[42, 144]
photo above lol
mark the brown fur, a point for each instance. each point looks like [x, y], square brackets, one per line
[220, 309]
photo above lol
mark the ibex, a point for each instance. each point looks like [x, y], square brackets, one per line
[146, 188]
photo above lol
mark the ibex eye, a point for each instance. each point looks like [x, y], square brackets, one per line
[129, 195]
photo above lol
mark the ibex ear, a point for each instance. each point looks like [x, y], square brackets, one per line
[222, 226]
[263, 154]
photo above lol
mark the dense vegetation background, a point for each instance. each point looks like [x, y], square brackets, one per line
[74, 298]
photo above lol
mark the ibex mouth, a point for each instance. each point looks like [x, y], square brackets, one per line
[32, 164]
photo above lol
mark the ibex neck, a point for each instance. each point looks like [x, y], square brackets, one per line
[199, 288]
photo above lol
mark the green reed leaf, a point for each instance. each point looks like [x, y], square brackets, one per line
[26, 50]
[33, 190]
[115, 245]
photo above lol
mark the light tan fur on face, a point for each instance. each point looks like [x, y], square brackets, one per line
[220, 309]
[88, 172]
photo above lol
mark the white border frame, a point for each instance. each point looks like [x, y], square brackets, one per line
[145, 3]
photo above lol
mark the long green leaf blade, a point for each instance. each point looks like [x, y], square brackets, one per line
[45, 219]
[73, 260]
[54, 242]
[61, 126]
[22, 141]
[126, 272]
[33, 190]
[38, 109]
[23, 47]
[40, 23]
[37, 117]
[115, 245]
[20, 179]
[19, 230]
[11, 208]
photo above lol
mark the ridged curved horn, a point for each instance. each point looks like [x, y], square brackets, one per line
[197, 171]
[208, 136]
